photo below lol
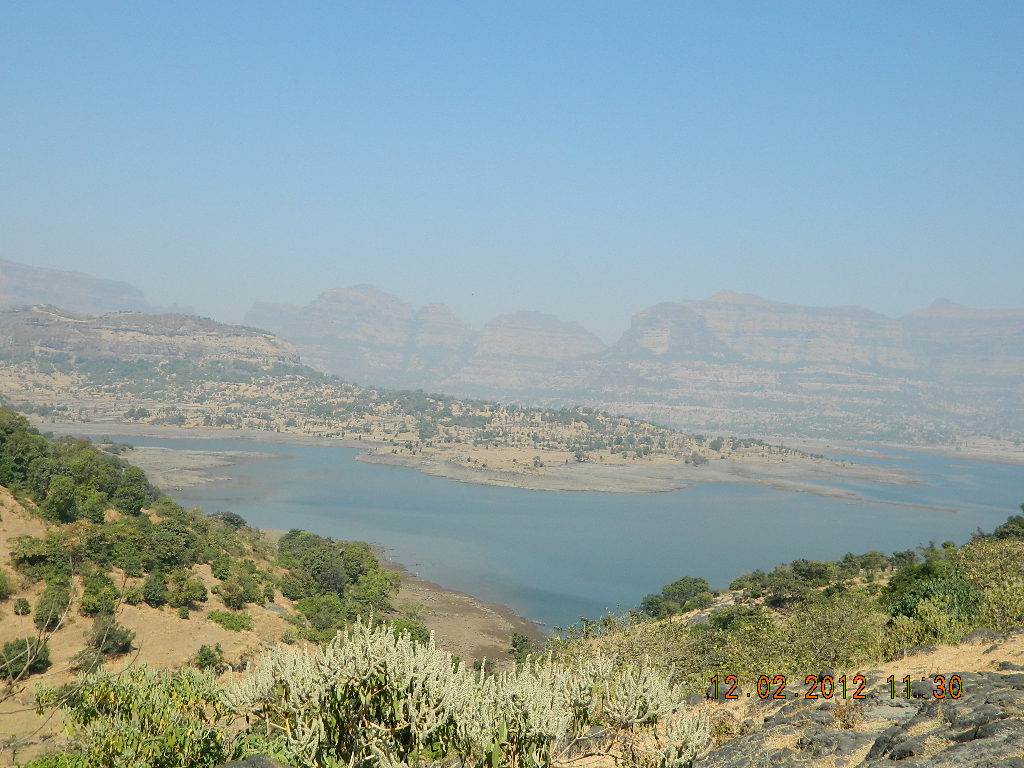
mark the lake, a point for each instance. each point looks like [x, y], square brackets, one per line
[556, 556]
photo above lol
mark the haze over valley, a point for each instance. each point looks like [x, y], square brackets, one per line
[587, 384]
[733, 364]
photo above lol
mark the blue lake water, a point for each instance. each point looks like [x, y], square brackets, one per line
[556, 556]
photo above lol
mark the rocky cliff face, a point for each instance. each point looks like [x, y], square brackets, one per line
[440, 344]
[363, 334]
[22, 285]
[733, 362]
[135, 336]
[526, 352]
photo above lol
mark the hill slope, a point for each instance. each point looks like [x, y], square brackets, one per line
[184, 371]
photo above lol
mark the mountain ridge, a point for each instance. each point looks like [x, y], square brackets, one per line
[732, 362]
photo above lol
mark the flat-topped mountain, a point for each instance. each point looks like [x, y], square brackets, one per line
[732, 362]
[26, 331]
[364, 334]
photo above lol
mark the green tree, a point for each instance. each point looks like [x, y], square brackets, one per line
[132, 492]
[220, 566]
[100, 595]
[521, 647]
[1013, 528]
[185, 591]
[209, 658]
[94, 505]
[174, 545]
[154, 590]
[324, 612]
[735, 616]
[61, 504]
[326, 566]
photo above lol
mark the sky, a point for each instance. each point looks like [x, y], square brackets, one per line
[587, 159]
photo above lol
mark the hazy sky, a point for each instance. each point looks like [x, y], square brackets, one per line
[583, 158]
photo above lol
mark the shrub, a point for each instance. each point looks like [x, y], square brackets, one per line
[52, 607]
[154, 590]
[141, 717]
[186, 591]
[415, 629]
[209, 658]
[21, 607]
[233, 621]
[26, 656]
[734, 616]
[87, 660]
[109, 637]
[5, 585]
[370, 694]
[57, 760]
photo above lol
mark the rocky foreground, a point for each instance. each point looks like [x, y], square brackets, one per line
[983, 727]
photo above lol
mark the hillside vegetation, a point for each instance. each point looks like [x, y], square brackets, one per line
[97, 568]
[180, 371]
[808, 615]
[633, 691]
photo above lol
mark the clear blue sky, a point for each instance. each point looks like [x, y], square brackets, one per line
[583, 158]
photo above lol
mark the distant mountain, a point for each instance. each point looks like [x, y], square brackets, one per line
[733, 362]
[25, 332]
[22, 285]
[363, 334]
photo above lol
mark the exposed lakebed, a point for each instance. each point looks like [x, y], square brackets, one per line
[556, 556]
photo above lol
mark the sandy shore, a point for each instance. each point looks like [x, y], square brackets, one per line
[797, 476]
[462, 624]
[794, 475]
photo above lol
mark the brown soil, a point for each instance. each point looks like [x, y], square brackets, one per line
[463, 625]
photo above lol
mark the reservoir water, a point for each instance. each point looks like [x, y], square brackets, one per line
[556, 556]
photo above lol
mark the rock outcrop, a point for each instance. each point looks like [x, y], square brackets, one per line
[983, 727]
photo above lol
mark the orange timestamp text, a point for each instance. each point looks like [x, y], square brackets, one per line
[829, 687]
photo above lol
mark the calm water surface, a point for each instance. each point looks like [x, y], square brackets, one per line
[556, 556]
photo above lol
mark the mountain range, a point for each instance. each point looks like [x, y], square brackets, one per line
[731, 363]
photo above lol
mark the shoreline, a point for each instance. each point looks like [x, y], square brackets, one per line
[797, 476]
[462, 624]
[468, 626]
